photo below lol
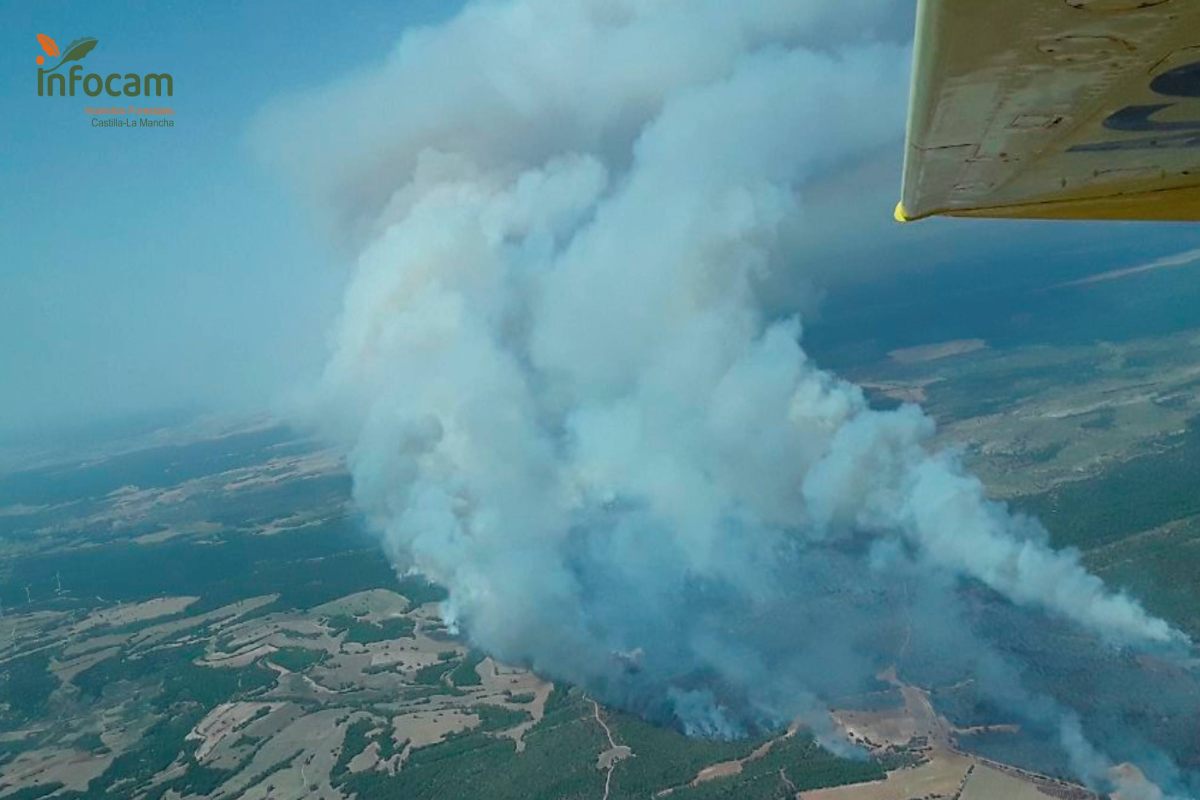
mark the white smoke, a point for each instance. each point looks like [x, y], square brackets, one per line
[564, 399]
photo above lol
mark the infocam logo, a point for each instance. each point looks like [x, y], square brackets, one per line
[53, 83]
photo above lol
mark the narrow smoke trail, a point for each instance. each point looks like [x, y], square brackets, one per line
[564, 400]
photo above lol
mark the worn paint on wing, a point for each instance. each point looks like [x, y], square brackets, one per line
[1055, 109]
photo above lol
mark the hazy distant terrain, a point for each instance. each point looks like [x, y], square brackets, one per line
[1098, 441]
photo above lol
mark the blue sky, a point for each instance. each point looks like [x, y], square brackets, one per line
[165, 268]
[162, 269]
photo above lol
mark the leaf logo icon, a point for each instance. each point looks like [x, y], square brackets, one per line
[79, 48]
[76, 50]
[48, 44]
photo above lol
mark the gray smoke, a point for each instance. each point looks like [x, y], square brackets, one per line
[567, 405]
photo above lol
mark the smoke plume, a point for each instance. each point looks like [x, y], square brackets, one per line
[567, 404]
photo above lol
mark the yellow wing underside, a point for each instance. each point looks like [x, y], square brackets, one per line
[1055, 109]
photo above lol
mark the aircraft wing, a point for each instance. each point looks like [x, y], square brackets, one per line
[1055, 109]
